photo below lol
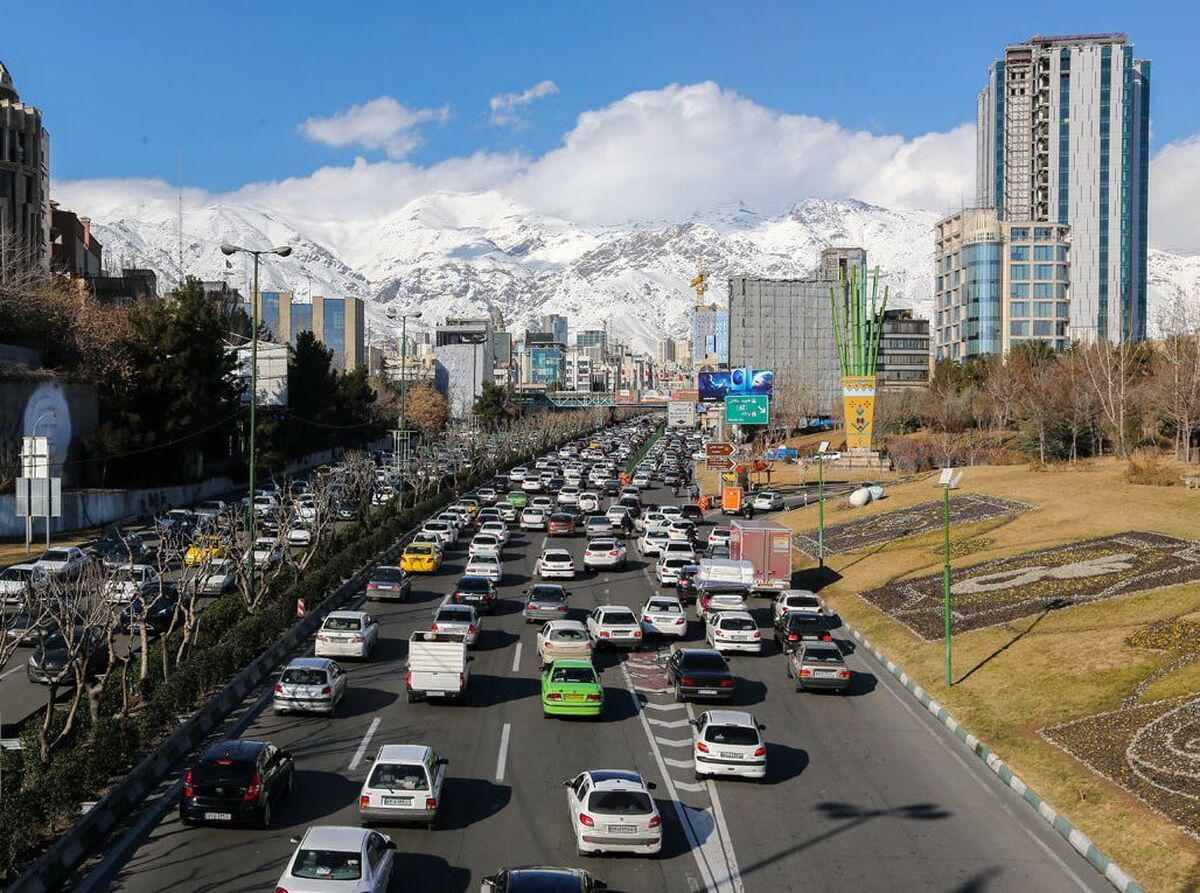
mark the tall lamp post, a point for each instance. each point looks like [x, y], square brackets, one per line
[821, 451]
[230, 250]
[404, 318]
[948, 481]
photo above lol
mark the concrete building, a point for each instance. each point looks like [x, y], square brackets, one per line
[503, 370]
[24, 182]
[133, 286]
[592, 338]
[464, 350]
[338, 323]
[666, 352]
[580, 370]
[556, 325]
[710, 335]
[74, 251]
[998, 283]
[785, 325]
[1062, 137]
[903, 351]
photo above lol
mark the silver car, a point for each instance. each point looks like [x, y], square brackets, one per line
[545, 601]
[404, 784]
[310, 685]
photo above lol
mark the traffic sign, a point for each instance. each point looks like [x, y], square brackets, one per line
[747, 410]
[724, 463]
[719, 449]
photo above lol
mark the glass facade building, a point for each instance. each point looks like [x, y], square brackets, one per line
[302, 321]
[334, 330]
[546, 365]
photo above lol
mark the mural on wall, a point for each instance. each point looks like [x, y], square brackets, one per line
[48, 414]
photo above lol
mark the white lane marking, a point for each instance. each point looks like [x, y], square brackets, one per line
[674, 742]
[670, 723]
[517, 658]
[678, 764]
[362, 745]
[8, 673]
[726, 840]
[651, 706]
[503, 755]
[690, 786]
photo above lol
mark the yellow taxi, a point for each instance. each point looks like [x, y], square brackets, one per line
[203, 550]
[421, 558]
[471, 505]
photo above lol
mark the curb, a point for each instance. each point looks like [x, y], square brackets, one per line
[1079, 841]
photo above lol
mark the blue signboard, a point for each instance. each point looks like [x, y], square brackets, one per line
[735, 382]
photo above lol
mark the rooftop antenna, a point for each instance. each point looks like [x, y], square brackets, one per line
[179, 232]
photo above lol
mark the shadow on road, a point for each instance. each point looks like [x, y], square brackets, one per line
[315, 795]
[425, 871]
[784, 762]
[488, 691]
[360, 701]
[470, 800]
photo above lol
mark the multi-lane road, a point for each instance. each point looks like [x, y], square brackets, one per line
[865, 792]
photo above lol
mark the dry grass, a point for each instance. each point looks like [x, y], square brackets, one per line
[1038, 671]
[14, 553]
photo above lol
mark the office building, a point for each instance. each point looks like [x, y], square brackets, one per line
[666, 352]
[543, 365]
[580, 370]
[710, 336]
[786, 325]
[592, 338]
[998, 283]
[503, 372]
[556, 325]
[464, 351]
[338, 323]
[1062, 138]
[24, 182]
[903, 360]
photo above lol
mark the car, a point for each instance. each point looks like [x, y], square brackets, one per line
[720, 534]
[728, 742]
[478, 592]
[545, 601]
[541, 879]
[220, 575]
[267, 552]
[434, 539]
[717, 550]
[615, 626]
[421, 558]
[712, 601]
[699, 673]
[818, 666]
[685, 583]
[339, 859]
[517, 499]
[793, 630]
[29, 627]
[404, 784]
[555, 563]
[485, 544]
[598, 526]
[157, 611]
[236, 781]
[210, 508]
[203, 549]
[733, 631]
[388, 583]
[668, 568]
[663, 615]
[654, 520]
[457, 619]
[561, 524]
[767, 501]
[125, 546]
[568, 494]
[309, 685]
[20, 582]
[571, 688]
[672, 512]
[508, 511]
[532, 485]
[651, 542]
[347, 634]
[678, 549]
[689, 511]
[680, 530]
[446, 531]
[62, 561]
[605, 553]
[620, 516]
[470, 503]
[798, 601]
[127, 583]
[486, 495]
[61, 653]
[588, 501]
[612, 811]
[545, 503]
[498, 529]
[565, 640]
[300, 534]
[534, 518]
[485, 566]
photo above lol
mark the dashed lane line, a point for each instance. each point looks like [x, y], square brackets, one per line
[694, 787]
[678, 764]
[649, 705]
[502, 757]
[516, 658]
[362, 745]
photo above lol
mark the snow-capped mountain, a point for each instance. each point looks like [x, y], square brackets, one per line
[465, 254]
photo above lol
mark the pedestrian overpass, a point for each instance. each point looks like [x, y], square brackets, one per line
[583, 400]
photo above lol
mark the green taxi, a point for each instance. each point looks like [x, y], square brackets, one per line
[572, 688]
[518, 498]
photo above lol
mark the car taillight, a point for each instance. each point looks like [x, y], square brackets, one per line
[725, 683]
[686, 681]
[563, 609]
[637, 633]
[554, 696]
[760, 752]
[757, 634]
[613, 552]
[356, 639]
[655, 820]
[843, 674]
[593, 698]
[188, 790]
[805, 672]
[321, 638]
[255, 788]
[326, 690]
[471, 630]
[702, 747]
[431, 802]
[462, 681]
[281, 890]
[364, 801]
[408, 680]
[278, 688]
[372, 586]
[433, 628]
[604, 634]
[586, 820]
[792, 637]
[825, 637]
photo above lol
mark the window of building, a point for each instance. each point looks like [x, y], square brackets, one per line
[1018, 252]
[1043, 308]
[1062, 271]
[1018, 308]
[1043, 328]
[1061, 252]
[1043, 271]
[1042, 233]
[1018, 271]
[1019, 235]
[1064, 309]
[1018, 328]
[1043, 252]
[1018, 289]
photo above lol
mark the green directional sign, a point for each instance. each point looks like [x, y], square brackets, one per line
[753, 409]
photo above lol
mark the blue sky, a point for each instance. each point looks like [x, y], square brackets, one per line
[125, 87]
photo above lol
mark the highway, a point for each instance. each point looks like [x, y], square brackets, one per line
[865, 792]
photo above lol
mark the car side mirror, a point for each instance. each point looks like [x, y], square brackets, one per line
[285, 755]
[391, 844]
[762, 726]
[650, 786]
[443, 761]
[568, 782]
[295, 840]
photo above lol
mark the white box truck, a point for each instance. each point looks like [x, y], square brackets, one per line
[438, 666]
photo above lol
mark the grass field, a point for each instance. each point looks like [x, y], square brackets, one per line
[1016, 678]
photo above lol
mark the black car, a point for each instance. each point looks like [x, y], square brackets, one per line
[117, 548]
[700, 673]
[236, 781]
[388, 582]
[154, 608]
[793, 629]
[542, 879]
[55, 659]
[689, 511]
[30, 627]
[685, 586]
[477, 591]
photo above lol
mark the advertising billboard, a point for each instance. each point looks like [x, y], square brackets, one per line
[747, 409]
[719, 385]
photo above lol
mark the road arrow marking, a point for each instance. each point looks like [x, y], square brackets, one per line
[670, 723]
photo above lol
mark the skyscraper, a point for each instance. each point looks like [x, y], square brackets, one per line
[1063, 138]
[556, 325]
[24, 182]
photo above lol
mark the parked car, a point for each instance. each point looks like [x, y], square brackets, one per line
[729, 742]
[612, 811]
[819, 666]
[565, 640]
[236, 781]
[404, 784]
[699, 673]
[339, 859]
[390, 583]
[310, 685]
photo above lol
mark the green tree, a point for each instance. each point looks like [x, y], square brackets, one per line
[494, 406]
[312, 381]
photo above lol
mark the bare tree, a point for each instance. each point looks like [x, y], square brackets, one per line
[1176, 380]
[1113, 372]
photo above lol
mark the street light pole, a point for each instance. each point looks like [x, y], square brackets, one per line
[402, 433]
[948, 481]
[821, 504]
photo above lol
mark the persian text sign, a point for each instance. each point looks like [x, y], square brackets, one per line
[752, 410]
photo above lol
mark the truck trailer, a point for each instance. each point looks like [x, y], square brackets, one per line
[767, 545]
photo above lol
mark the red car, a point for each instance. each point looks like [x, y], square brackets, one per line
[561, 524]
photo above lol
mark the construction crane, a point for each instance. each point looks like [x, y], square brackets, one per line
[700, 283]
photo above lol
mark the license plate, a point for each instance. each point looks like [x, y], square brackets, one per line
[826, 672]
[397, 801]
[622, 829]
[730, 755]
[218, 816]
[708, 691]
[574, 697]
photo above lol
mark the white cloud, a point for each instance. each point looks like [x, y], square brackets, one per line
[506, 106]
[1174, 197]
[382, 123]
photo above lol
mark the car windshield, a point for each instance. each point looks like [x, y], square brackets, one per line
[800, 622]
[704, 661]
[573, 674]
[602, 545]
[343, 623]
[454, 615]
[558, 556]
[387, 575]
[303, 676]
[18, 574]
[731, 735]
[744, 624]
[547, 594]
[620, 803]
[823, 655]
[803, 601]
[568, 635]
[419, 550]
[327, 865]
[399, 777]
[485, 539]
[674, 564]
[619, 617]
[56, 555]
[548, 880]
[473, 584]
[216, 772]
[437, 526]
[665, 607]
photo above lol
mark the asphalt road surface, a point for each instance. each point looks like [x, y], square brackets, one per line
[865, 792]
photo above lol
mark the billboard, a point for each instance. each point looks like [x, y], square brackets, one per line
[681, 414]
[719, 385]
[747, 409]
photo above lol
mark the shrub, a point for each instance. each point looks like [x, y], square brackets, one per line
[1150, 472]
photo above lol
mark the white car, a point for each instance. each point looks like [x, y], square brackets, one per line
[642, 481]
[444, 530]
[668, 567]
[612, 811]
[733, 631]
[564, 640]
[498, 529]
[63, 561]
[459, 518]
[797, 601]
[485, 566]
[217, 577]
[679, 549]
[485, 544]
[299, 535]
[671, 511]
[568, 495]
[588, 502]
[604, 553]
[339, 859]
[654, 520]
[556, 563]
[518, 474]
[767, 501]
[309, 685]
[534, 518]
[128, 581]
[728, 742]
[716, 602]
[664, 615]
[18, 581]
[267, 552]
[459, 620]
[681, 530]
[211, 508]
[508, 511]
[651, 542]
[542, 502]
[347, 634]
[486, 495]
[531, 485]
[404, 784]
[614, 625]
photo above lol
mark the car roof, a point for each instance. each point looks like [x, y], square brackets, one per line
[411, 753]
[566, 624]
[788, 592]
[688, 652]
[741, 615]
[574, 664]
[317, 663]
[732, 718]
[616, 779]
[614, 608]
[346, 615]
[234, 749]
[334, 837]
